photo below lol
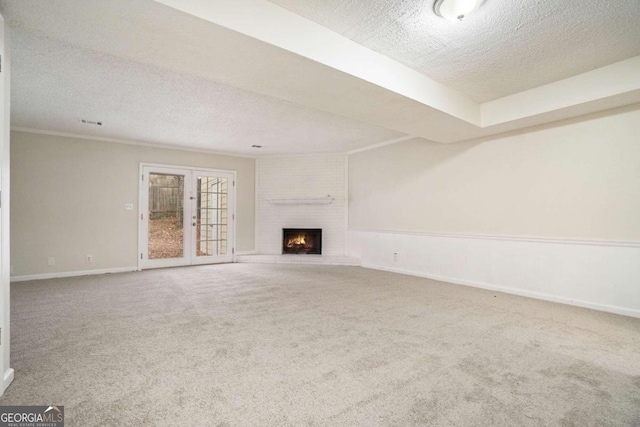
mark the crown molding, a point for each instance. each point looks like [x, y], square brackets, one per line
[127, 142]
[382, 144]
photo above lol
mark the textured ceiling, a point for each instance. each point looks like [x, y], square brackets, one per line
[508, 46]
[156, 74]
[55, 83]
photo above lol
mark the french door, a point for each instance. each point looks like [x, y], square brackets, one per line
[186, 216]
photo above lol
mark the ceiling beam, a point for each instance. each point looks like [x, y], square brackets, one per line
[376, 89]
[279, 27]
[608, 85]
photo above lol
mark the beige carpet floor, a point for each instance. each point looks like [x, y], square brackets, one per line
[291, 345]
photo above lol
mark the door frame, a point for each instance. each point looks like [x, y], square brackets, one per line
[140, 218]
[230, 255]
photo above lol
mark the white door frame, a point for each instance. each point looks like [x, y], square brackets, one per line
[6, 372]
[142, 230]
[230, 253]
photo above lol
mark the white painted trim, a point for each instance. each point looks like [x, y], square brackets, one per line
[142, 239]
[256, 205]
[298, 155]
[72, 274]
[553, 240]
[328, 153]
[512, 291]
[345, 251]
[7, 379]
[234, 220]
[382, 144]
[129, 142]
[5, 211]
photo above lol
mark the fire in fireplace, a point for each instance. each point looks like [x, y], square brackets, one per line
[302, 241]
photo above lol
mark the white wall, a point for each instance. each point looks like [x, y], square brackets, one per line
[300, 177]
[68, 200]
[552, 213]
[5, 370]
[595, 275]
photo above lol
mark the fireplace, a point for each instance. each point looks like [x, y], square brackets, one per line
[302, 241]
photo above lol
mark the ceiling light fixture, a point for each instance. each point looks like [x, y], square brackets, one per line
[455, 10]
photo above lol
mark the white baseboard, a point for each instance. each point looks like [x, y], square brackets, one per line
[7, 379]
[72, 274]
[512, 291]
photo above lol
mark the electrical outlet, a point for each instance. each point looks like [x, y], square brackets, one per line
[52, 260]
[395, 257]
[128, 206]
[89, 258]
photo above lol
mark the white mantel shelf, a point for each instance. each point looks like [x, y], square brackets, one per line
[303, 201]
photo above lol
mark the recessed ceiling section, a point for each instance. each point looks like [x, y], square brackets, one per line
[505, 47]
[399, 97]
[54, 83]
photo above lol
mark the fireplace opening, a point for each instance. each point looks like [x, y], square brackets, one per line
[302, 241]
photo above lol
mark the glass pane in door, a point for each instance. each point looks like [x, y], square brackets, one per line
[212, 216]
[166, 215]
